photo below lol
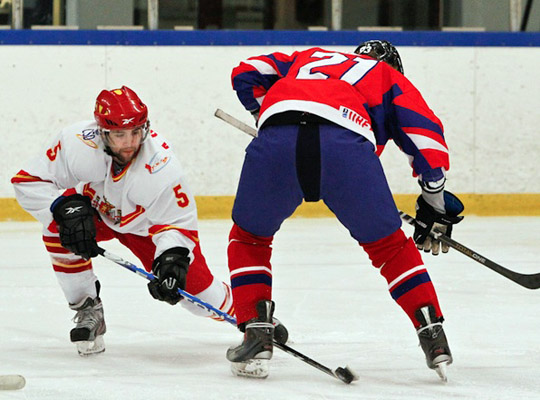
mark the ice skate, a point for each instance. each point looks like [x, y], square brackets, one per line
[281, 334]
[433, 341]
[250, 358]
[88, 333]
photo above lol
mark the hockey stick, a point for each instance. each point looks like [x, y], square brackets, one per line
[531, 281]
[528, 281]
[235, 122]
[343, 374]
[12, 382]
[192, 299]
[346, 374]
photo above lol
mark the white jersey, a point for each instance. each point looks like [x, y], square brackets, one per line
[149, 197]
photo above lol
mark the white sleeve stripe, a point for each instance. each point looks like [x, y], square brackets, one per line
[424, 142]
[405, 274]
[260, 268]
[263, 67]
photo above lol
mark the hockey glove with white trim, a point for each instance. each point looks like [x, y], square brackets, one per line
[427, 219]
[170, 269]
[74, 216]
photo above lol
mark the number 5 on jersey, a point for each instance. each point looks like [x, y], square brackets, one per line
[183, 200]
[53, 152]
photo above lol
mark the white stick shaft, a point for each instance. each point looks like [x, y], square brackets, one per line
[235, 122]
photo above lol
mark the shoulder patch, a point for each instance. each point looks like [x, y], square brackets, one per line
[157, 162]
[87, 136]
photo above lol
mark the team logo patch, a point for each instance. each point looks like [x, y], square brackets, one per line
[157, 162]
[87, 136]
[108, 210]
[354, 117]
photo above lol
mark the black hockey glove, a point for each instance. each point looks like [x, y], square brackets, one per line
[427, 219]
[74, 216]
[170, 269]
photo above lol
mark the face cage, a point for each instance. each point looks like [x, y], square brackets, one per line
[105, 135]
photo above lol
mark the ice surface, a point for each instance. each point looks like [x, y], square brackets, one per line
[335, 305]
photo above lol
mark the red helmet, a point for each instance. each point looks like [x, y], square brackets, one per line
[120, 109]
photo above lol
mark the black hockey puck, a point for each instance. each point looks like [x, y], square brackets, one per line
[345, 375]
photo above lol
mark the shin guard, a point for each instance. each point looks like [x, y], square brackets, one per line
[400, 263]
[250, 271]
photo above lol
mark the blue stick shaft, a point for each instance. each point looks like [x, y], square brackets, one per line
[189, 297]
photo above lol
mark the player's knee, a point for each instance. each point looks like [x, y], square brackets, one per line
[385, 249]
[397, 257]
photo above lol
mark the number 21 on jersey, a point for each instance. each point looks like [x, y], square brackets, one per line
[326, 67]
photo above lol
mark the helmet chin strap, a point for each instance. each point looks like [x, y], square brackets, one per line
[114, 156]
[105, 137]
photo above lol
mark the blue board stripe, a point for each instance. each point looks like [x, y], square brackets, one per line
[264, 38]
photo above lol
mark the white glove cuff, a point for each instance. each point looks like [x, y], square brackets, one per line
[435, 200]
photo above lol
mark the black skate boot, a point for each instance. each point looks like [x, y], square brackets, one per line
[433, 340]
[281, 334]
[88, 333]
[250, 358]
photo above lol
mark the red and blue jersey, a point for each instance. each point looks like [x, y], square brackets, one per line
[354, 91]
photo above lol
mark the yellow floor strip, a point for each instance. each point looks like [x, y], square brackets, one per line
[220, 207]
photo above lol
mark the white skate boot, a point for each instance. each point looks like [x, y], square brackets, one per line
[88, 333]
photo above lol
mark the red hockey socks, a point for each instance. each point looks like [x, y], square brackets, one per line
[401, 265]
[251, 272]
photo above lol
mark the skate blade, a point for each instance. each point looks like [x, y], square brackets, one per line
[12, 382]
[440, 369]
[88, 348]
[258, 369]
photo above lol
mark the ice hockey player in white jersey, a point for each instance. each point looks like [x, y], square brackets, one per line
[116, 178]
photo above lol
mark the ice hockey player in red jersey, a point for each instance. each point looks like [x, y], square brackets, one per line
[116, 178]
[323, 118]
